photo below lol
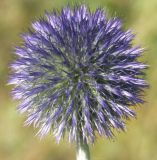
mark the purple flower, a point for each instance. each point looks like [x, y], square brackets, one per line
[77, 71]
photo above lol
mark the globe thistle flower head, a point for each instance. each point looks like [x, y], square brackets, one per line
[77, 72]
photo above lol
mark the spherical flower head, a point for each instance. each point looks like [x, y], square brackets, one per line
[77, 72]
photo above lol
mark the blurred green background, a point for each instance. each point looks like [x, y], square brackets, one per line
[19, 143]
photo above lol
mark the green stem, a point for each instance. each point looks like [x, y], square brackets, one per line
[82, 149]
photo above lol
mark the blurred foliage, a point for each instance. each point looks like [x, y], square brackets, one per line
[18, 142]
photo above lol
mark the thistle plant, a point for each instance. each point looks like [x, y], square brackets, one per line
[77, 72]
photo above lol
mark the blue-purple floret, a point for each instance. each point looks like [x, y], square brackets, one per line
[77, 71]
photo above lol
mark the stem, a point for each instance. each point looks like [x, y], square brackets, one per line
[82, 150]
